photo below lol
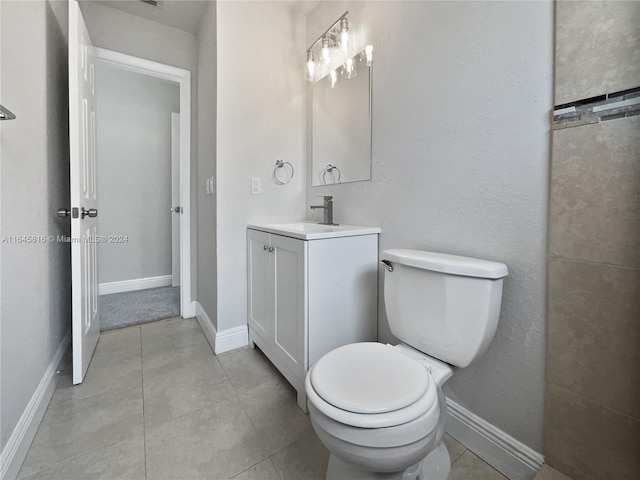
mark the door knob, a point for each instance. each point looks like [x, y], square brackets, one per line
[92, 212]
[63, 212]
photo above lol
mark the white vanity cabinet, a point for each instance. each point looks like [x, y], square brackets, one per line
[307, 296]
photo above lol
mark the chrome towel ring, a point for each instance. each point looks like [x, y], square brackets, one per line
[329, 169]
[279, 165]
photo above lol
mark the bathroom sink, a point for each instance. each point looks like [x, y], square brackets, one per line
[314, 231]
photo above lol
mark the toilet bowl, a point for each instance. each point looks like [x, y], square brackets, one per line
[379, 409]
[388, 420]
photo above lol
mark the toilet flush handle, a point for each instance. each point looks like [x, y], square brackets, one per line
[387, 264]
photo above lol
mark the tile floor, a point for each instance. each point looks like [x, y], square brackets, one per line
[158, 404]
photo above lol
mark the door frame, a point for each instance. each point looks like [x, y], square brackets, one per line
[183, 78]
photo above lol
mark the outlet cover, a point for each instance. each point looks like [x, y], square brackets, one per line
[256, 185]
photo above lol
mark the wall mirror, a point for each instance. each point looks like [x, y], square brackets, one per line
[341, 136]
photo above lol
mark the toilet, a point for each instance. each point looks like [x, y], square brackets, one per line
[379, 409]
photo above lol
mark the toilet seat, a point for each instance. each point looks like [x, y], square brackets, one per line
[370, 385]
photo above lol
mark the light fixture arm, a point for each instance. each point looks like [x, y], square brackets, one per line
[324, 34]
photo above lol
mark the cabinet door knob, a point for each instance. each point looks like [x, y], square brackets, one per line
[270, 249]
[264, 247]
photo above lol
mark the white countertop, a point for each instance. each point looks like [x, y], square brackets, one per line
[314, 231]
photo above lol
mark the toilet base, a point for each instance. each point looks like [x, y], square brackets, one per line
[435, 466]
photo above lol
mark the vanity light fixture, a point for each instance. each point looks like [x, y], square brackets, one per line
[332, 49]
[334, 46]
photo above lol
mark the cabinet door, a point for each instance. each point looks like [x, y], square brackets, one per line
[260, 276]
[290, 321]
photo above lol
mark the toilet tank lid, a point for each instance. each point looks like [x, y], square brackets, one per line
[444, 263]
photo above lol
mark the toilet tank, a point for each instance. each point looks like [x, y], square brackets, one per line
[445, 306]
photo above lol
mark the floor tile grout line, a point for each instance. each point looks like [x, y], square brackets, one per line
[189, 413]
[101, 392]
[73, 457]
[51, 406]
[244, 409]
[203, 406]
[269, 454]
[482, 460]
[249, 468]
[280, 474]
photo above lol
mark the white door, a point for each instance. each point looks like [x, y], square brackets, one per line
[175, 199]
[84, 200]
[289, 322]
[260, 276]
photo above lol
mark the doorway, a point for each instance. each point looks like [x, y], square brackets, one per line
[143, 133]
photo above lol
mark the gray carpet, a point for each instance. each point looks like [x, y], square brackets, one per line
[120, 310]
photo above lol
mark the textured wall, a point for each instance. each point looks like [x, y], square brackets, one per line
[461, 98]
[597, 48]
[134, 164]
[260, 118]
[207, 97]
[115, 30]
[35, 278]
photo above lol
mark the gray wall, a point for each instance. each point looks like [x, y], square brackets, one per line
[461, 98]
[592, 424]
[207, 97]
[260, 112]
[134, 164]
[35, 279]
[115, 30]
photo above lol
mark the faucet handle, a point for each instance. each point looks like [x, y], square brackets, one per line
[327, 198]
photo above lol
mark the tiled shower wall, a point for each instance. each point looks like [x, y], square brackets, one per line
[592, 421]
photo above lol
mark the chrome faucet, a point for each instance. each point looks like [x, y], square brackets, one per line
[328, 210]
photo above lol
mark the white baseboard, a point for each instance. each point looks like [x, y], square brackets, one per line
[206, 324]
[191, 310]
[510, 457]
[232, 338]
[135, 284]
[224, 340]
[18, 445]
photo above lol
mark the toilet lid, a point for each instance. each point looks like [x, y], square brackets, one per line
[369, 378]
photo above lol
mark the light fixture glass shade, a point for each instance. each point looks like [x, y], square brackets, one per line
[344, 35]
[333, 78]
[326, 50]
[349, 68]
[310, 68]
[368, 52]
